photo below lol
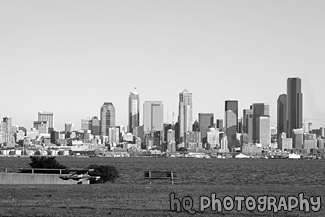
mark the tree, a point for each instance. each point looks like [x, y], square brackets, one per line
[107, 173]
[45, 162]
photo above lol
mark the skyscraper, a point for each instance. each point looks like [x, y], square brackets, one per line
[153, 115]
[205, 121]
[231, 122]
[134, 112]
[49, 117]
[68, 127]
[85, 124]
[259, 109]
[263, 127]
[282, 114]
[248, 123]
[294, 109]
[41, 126]
[95, 126]
[184, 114]
[107, 117]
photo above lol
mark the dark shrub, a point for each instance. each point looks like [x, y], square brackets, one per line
[106, 173]
[42, 162]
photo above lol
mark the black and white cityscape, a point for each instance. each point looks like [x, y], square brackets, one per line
[248, 132]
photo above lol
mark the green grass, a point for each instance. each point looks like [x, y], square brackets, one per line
[131, 195]
[132, 200]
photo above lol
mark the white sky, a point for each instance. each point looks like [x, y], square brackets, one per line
[69, 57]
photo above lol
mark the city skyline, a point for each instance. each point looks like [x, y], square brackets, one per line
[230, 50]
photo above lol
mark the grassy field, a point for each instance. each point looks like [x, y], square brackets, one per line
[131, 195]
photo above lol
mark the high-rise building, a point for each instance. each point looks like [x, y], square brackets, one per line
[205, 121]
[212, 138]
[153, 115]
[49, 117]
[297, 138]
[184, 114]
[282, 114]
[134, 112]
[68, 127]
[285, 144]
[95, 126]
[85, 124]
[259, 109]
[219, 124]
[107, 117]
[263, 127]
[231, 122]
[41, 126]
[248, 123]
[294, 103]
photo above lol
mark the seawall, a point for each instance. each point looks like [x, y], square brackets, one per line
[28, 178]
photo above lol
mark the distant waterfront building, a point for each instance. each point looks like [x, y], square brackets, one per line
[320, 143]
[41, 126]
[113, 136]
[297, 138]
[224, 144]
[171, 147]
[185, 114]
[231, 122]
[85, 124]
[284, 143]
[107, 117]
[95, 126]
[263, 131]
[6, 126]
[196, 126]
[294, 103]
[219, 124]
[259, 109]
[282, 114]
[68, 128]
[134, 112]
[192, 140]
[310, 143]
[248, 123]
[212, 138]
[205, 121]
[153, 115]
[49, 117]
[170, 135]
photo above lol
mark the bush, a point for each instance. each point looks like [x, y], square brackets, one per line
[107, 173]
[45, 162]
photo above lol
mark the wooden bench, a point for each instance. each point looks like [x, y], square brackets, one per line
[160, 175]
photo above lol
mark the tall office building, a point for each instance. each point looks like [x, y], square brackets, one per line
[259, 109]
[205, 122]
[95, 126]
[68, 127]
[248, 123]
[282, 114]
[294, 109]
[297, 138]
[49, 117]
[263, 127]
[184, 114]
[6, 130]
[134, 112]
[85, 124]
[219, 124]
[153, 115]
[41, 126]
[107, 117]
[231, 122]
